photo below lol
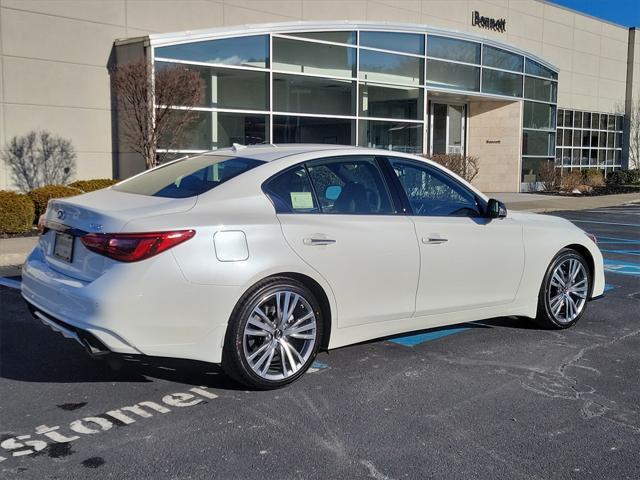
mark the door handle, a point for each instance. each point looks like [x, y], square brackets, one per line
[434, 240]
[315, 241]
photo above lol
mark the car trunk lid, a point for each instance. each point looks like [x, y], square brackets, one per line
[103, 211]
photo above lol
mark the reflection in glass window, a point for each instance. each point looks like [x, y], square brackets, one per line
[231, 88]
[501, 83]
[538, 115]
[498, 58]
[396, 136]
[453, 49]
[385, 101]
[577, 119]
[250, 51]
[188, 177]
[432, 193]
[452, 75]
[349, 185]
[539, 89]
[294, 129]
[391, 68]
[537, 143]
[534, 68]
[336, 37]
[291, 192]
[211, 130]
[399, 42]
[315, 58]
[294, 93]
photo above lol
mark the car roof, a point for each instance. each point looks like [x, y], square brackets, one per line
[271, 152]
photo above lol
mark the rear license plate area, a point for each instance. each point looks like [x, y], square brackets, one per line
[63, 247]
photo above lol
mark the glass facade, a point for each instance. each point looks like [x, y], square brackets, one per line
[589, 140]
[359, 87]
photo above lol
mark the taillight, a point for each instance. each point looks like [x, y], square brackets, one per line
[133, 247]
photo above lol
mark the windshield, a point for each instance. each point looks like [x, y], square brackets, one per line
[188, 177]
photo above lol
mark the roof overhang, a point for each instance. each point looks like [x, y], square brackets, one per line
[187, 36]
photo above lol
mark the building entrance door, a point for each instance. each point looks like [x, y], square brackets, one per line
[448, 124]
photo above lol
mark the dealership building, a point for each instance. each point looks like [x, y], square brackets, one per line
[516, 83]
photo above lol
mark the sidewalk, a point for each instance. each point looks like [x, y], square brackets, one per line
[549, 203]
[13, 251]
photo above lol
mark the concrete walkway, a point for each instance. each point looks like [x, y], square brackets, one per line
[549, 203]
[13, 251]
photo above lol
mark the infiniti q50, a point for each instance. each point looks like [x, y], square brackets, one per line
[257, 257]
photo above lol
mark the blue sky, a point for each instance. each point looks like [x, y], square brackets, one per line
[623, 12]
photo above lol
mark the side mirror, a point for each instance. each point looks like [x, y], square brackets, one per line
[496, 209]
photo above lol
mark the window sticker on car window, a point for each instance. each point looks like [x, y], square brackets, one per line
[301, 200]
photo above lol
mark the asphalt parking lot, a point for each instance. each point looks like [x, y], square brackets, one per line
[496, 399]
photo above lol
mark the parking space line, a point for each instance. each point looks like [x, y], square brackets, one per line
[8, 282]
[604, 223]
[417, 339]
[623, 268]
[622, 252]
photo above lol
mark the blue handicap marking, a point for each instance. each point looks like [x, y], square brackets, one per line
[622, 252]
[418, 338]
[623, 268]
[608, 286]
[316, 366]
[618, 241]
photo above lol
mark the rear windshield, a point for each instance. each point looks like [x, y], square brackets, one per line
[188, 177]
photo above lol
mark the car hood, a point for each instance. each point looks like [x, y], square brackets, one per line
[541, 220]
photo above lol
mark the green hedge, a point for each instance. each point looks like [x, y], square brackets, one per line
[17, 212]
[624, 177]
[92, 185]
[42, 195]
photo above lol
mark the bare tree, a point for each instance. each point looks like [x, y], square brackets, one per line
[549, 176]
[633, 119]
[465, 166]
[134, 89]
[39, 158]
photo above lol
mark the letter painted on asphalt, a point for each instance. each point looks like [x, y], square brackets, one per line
[200, 391]
[12, 444]
[53, 435]
[137, 410]
[181, 400]
[79, 427]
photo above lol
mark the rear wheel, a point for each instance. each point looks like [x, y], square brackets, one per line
[564, 291]
[274, 334]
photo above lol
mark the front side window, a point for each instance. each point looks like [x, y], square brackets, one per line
[350, 186]
[188, 177]
[432, 193]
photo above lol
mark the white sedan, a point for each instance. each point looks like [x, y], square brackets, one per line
[257, 257]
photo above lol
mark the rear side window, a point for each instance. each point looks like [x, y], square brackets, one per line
[350, 185]
[188, 177]
[339, 185]
[291, 191]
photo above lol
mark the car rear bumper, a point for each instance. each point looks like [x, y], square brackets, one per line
[144, 308]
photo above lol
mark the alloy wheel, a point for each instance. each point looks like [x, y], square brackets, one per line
[280, 335]
[568, 290]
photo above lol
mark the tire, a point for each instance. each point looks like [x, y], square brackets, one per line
[564, 291]
[263, 349]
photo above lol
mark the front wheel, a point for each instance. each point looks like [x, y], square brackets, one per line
[273, 335]
[564, 291]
